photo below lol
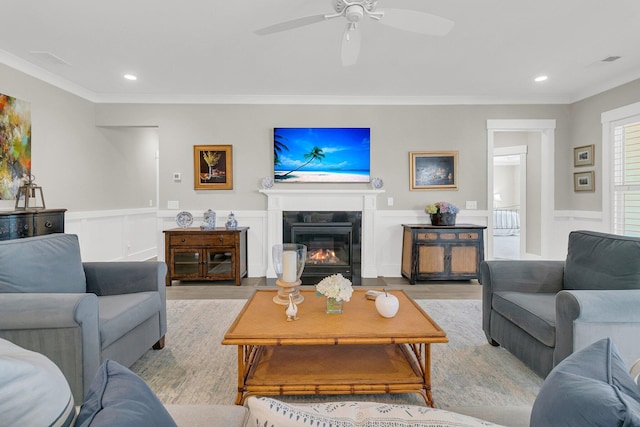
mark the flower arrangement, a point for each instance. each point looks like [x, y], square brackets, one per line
[442, 207]
[335, 286]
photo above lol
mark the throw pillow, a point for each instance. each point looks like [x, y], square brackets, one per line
[635, 372]
[33, 391]
[590, 387]
[119, 397]
[265, 411]
[50, 263]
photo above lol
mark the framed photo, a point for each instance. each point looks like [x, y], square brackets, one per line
[433, 170]
[583, 181]
[212, 167]
[583, 156]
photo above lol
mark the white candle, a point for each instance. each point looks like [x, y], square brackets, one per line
[289, 259]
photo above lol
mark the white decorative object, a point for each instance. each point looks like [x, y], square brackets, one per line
[288, 263]
[376, 183]
[335, 286]
[292, 310]
[184, 219]
[387, 305]
[209, 220]
[267, 182]
[289, 266]
[231, 223]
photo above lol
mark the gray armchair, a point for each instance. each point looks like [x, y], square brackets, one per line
[79, 314]
[542, 311]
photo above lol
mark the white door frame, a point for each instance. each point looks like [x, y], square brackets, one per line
[547, 174]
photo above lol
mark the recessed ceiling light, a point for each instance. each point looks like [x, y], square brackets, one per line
[130, 77]
[540, 79]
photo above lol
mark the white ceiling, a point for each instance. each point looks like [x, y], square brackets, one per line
[207, 51]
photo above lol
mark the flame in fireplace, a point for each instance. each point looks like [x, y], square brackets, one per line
[323, 256]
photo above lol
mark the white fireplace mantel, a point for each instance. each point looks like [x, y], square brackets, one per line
[324, 200]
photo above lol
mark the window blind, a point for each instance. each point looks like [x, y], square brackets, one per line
[626, 162]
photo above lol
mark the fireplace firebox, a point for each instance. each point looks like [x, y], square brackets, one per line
[332, 240]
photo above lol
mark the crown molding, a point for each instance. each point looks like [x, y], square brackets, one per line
[39, 73]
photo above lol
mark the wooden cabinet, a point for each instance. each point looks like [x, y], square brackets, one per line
[195, 254]
[29, 223]
[442, 252]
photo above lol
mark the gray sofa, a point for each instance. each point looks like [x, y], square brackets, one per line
[543, 311]
[79, 314]
[590, 387]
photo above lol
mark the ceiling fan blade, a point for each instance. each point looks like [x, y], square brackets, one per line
[290, 25]
[416, 22]
[350, 45]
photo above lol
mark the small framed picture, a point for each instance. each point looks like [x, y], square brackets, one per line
[212, 167]
[583, 156]
[583, 181]
[433, 170]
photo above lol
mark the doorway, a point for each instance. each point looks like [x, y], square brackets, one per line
[509, 202]
[536, 185]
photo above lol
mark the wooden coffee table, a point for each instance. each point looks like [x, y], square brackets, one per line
[356, 352]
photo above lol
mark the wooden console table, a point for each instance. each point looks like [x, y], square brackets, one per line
[356, 352]
[29, 223]
[195, 254]
[442, 252]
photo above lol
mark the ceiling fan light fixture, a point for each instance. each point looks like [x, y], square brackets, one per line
[354, 13]
[540, 79]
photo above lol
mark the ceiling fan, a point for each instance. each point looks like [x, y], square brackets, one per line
[356, 10]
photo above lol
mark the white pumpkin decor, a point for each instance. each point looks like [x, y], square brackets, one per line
[387, 304]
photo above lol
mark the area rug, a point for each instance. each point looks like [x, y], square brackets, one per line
[194, 368]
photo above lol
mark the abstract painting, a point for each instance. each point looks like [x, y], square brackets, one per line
[15, 144]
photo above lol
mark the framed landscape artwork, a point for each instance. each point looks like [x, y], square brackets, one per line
[212, 167]
[435, 170]
[583, 156]
[583, 181]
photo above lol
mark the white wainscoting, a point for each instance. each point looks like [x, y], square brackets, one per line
[137, 234]
[564, 222]
[118, 235]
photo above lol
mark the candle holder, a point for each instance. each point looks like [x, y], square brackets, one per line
[288, 263]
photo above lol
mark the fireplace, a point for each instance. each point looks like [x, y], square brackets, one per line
[332, 240]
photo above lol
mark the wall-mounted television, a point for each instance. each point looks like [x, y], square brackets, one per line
[321, 154]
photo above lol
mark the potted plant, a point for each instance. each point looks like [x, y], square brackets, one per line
[442, 213]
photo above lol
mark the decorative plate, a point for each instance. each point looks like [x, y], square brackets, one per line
[184, 219]
[376, 183]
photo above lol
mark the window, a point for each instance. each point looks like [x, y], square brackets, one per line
[626, 177]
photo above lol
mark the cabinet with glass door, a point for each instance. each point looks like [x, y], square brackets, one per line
[208, 255]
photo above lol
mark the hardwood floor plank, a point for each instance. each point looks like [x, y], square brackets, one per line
[421, 290]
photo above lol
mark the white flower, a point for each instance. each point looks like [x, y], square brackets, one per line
[335, 286]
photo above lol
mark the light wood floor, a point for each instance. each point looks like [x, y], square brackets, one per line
[421, 290]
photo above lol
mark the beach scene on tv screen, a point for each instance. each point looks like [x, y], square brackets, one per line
[321, 154]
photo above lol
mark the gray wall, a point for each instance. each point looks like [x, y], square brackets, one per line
[586, 129]
[395, 131]
[133, 153]
[79, 164]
